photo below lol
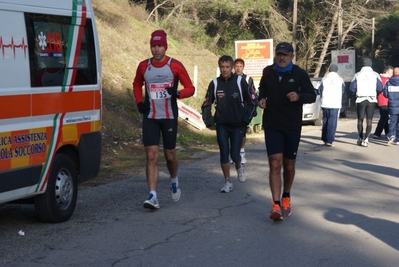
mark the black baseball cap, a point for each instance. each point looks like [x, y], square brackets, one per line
[284, 48]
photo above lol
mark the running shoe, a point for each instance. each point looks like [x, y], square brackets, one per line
[365, 143]
[151, 202]
[391, 140]
[286, 210]
[241, 174]
[328, 144]
[227, 188]
[359, 141]
[275, 214]
[175, 192]
[243, 159]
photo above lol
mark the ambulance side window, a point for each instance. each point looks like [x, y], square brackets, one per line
[51, 55]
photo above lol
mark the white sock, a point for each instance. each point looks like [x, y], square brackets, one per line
[153, 193]
[242, 150]
[174, 180]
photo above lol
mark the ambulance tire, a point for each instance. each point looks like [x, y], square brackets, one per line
[58, 202]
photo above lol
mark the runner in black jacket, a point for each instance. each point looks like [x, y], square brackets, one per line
[280, 112]
[283, 89]
[235, 105]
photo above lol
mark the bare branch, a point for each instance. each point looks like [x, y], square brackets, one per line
[326, 43]
[155, 9]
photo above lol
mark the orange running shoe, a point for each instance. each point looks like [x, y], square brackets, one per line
[275, 214]
[286, 210]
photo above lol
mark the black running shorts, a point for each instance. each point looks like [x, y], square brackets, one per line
[152, 129]
[285, 141]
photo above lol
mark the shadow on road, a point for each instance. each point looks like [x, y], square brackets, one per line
[384, 230]
[370, 167]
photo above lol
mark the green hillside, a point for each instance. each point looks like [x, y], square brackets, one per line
[124, 35]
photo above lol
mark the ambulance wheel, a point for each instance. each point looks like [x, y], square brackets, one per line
[58, 202]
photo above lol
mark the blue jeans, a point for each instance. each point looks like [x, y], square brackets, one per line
[229, 141]
[394, 126]
[330, 120]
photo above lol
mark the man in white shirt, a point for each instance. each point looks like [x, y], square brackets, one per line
[366, 84]
[331, 89]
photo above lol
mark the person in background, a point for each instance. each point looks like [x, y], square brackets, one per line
[234, 109]
[331, 89]
[160, 76]
[283, 89]
[239, 65]
[382, 102]
[391, 91]
[365, 85]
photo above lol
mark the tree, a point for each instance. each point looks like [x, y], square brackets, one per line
[217, 24]
[386, 50]
[319, 33]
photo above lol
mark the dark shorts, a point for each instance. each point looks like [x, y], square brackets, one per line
[152, 129]
[285, 141]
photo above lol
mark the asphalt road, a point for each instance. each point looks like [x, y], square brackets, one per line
[345, 213]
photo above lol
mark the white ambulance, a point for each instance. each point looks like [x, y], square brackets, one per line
[50, 103]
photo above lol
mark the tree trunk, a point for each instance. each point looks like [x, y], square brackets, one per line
[155, 10]
[171, 12]
[351, 26]
[195, 15]
[244, 18]
[326, 44]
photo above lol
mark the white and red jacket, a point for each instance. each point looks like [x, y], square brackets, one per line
[381, 99]
[157, 76]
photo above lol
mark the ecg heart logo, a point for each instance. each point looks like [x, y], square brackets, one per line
[13, 46]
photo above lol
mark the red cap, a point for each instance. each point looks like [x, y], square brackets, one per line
[159, 38]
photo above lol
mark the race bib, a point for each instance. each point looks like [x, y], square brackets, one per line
[158, 91]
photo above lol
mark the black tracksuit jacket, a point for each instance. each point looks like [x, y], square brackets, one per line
[232, 108]
[280, 113]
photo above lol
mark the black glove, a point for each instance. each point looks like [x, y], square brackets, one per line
[209, 122]
[211, 126]
[173, 91]
[246, 121]
[142, 108]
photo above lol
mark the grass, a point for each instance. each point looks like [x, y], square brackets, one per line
[124, 35]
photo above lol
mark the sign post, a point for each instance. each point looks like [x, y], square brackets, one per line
[345, 60]
[257, 54]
